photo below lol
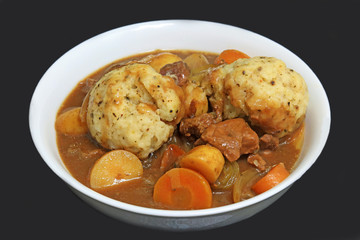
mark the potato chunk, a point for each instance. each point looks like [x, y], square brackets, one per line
[197, 62]
[114, 168]
[69, 123]
[195, 102]
[160, 60]
[206, 160]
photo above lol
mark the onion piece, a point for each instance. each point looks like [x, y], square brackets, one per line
[241, 183]
[227, 176]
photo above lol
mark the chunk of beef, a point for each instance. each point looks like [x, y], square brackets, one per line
[178, 70]
[232, 137]
[257, 161]
[268, 141]
[196, 126]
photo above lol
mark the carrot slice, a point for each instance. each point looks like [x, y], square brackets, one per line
[229, 56]
[182, 188]
[276, 175]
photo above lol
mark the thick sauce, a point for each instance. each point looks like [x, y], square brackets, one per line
[80, 152]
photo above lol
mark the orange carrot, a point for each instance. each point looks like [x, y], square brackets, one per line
[276, 175]
[170, 156]
[229, 56]
[182, 188]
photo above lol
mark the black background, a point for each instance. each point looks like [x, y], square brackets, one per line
[324, 204]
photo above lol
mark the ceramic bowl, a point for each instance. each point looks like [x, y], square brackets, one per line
[102, 49]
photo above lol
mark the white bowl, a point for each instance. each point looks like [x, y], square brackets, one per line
[100, 50]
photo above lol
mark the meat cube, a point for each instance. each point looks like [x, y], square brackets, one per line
[257, 161]
[196, 126]
[268, 141]
[178, 70]
[232, 137]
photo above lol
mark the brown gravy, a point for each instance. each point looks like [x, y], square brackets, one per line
[80, 152]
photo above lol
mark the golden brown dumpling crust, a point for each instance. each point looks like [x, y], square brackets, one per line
[274, 97]
[134, 108]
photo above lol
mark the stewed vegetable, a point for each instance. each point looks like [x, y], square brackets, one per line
[184, 129]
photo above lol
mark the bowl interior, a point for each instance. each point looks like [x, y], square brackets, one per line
[94, 53]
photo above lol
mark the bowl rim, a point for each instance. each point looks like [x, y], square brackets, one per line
[70, 180]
